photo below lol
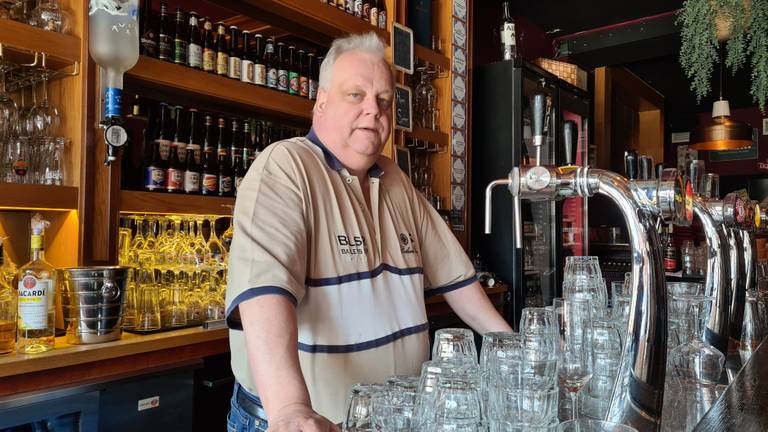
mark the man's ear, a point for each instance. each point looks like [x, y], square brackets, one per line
[320, 103]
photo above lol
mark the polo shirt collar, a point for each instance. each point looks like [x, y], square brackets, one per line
[334, 162]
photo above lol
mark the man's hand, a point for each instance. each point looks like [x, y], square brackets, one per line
[300, 418]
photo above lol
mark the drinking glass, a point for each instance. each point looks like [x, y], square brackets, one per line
[432, 373]
[148, 310]
[457, 407]
[218, 254]
[8, 108]
[540, 354]
[606, 360]
[454, 344]
[394, 409]
[226, 236]
[48, 15]
[587, 425]
[575, 360]
[538, 320]
[583, 279]
[359, 417]
[523, 407]
[752, 331]
[501, 362]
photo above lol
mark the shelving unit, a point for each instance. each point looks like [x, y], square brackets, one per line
[436, 137]
[431, 56]
[37, 197]
[162, 203]
[20, 41]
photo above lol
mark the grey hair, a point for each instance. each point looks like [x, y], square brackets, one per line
[366, 42]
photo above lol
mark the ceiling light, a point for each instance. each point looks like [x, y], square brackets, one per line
[721, 132]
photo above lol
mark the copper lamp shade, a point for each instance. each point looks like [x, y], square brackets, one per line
[721, 132]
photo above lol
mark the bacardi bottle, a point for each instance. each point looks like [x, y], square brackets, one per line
[37, 294]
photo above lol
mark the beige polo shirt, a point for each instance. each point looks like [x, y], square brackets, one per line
[358, 277]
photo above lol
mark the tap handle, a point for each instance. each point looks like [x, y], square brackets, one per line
[570, 137]
[646, 167]
[659, 169]
[712, 186]
[538, 107]
[697, 173]
[630, 164]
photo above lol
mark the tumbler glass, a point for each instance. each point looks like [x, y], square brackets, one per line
[587, 425]
[359, 416]
[455, 344]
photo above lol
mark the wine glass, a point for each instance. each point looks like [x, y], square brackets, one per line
[575, 359]
[48, 15]
[752, 331]
[226, 237]
[8, 108]
[218, 254]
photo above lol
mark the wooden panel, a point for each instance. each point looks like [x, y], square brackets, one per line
[435, 137]
[61, 239]
[22, 196]
[651, 134]
[603, 99]
[152, 202]
[637, 92]
[163, 76]
[16, 36]
[432, 57]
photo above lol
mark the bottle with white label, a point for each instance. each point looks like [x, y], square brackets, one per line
[36, 296]
[508, 37]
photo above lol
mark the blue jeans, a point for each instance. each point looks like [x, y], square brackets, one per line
[246, 412]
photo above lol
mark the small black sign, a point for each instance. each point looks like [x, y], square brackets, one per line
[402, 48]
[403, 105]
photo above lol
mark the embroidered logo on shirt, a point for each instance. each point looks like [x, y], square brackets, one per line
[352, 247]
[407, 245]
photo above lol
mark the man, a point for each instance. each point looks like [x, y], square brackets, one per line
[334, 250]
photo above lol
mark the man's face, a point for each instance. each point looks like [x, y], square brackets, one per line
[358, 106]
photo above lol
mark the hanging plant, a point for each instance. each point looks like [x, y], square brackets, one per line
[741, 24]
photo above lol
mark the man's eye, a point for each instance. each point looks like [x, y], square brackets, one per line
[384, 102]
[355, 95]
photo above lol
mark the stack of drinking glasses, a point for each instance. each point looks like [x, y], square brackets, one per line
[179, 275]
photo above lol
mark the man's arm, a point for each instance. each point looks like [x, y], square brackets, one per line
[471, 304]
[271, 336]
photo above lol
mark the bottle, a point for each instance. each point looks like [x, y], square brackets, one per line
[350, 7]
[180, 39]
[293, 71]
[238, 171]
[8, 306]
[508, 37]
[154, 169]
[358, 8]
[237, 144]
[163, 132]
[383, 15]
[164, 36]
[194, 134]
[181, 134]
[234, 53]
[373, 13]
[269, 63]
[258, 137]
[282, 68]
[249, 147]
[37, 296]
[148, 31]
[192, 173]
[174, 174]
[222, 50]
[194, 47]
[366, 10]
[246, 63]
[303, 78]
[313, 75]
[671, 263]
[257, 56]
[224, 162]
[209, 47]
[210, 176]
[341, 4]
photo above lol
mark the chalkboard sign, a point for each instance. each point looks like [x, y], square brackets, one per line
[403, 115]
[403, 157]
[402, 48]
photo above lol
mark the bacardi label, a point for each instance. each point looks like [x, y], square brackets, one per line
[33, 303]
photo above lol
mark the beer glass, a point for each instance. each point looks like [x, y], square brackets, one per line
[586, 425]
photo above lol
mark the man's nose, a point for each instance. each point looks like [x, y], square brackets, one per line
[371, 106]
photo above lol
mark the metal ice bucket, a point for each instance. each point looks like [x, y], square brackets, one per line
[93, 299]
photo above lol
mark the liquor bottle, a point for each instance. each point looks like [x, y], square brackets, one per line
[358, 8]
[37, 294]
[383, 15]
[210, 176]
[194, 134]
[313, 75]
[8, 306]
[225, 163]
[259, 71]
[246, 62]
[192, 173]
[222, 50]
[269, 63]
[293, 71]
[303, 78]
[148, 32]
[373, 13]
[209, 47]
[508, 37]
[163, 132]
[180, 39]
[366, 10]
[234, 53]
[194, 47]
[249, 147]
[181, 134]
[282, 68]
[237, 145]
[164, 35]
[671, 263]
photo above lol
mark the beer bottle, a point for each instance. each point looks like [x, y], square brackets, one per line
[293, 71]
[210, 176]
[209, 47]
[383, 15]
[182, 134]
[180, 39]
[259, 71]
[271, 137]
[163, 136]
[358, 8]
[341, 4]
[194, 134]
[303, 78]
[148, 31]
[313, 74]
[282, 68]
[192, 172]
[367, 10]
[225, 162]
[194, 47]
[269, 63]
[373, 14]
[238, 171]
[258, 136]
[165, 37]
[154, 173]
[249, 148]
[237, 144]
[174, 174]
[350, 6]
[234, 53]
[222, 50]
[246, 62]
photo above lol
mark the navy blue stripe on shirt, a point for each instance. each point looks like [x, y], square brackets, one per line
[448, 288]
[362, 346]
[236, 324]
[338, 280]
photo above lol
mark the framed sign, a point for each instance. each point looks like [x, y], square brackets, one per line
[403, 158]
[403, 115]
[402, 48]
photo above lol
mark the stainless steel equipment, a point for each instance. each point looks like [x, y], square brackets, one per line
[93, 299]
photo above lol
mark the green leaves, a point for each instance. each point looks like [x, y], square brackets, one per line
[758, 48]
[698, 48]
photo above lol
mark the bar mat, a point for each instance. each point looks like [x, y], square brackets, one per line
[163, 329]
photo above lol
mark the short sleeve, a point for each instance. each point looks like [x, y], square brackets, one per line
[269, 248]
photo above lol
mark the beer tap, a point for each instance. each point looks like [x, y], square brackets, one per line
[638, 395]
[748, 258]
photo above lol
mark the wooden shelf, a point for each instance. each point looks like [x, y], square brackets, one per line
[37, 197]
[435, 137]
[165, 78]
[164, 203]
[432, 57]
[21, 40]
[308, 19]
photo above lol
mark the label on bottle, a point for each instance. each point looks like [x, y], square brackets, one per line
[670, 264]
[20, 167]
[382, 19]
[374, 16]
[33, 303]
[36, 242]
[508, 40]
[112, 102]
[209, 60]
[148, 43]
[272, 78]
[304, 86]
[293, 79]
[235, 66]
[222, 63]
[154, 178]
[259, 74]
[246, 71]
[210, 183]
[180, 51]
[191, 182]
[350, 6]
[196, 151]
[165, 47]
[358, 8]
[174, 179]
[366, 11]
[282, 80]
[195, 55]
[225, 185]
[313, 89]
[182, 151]
[164, 147]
